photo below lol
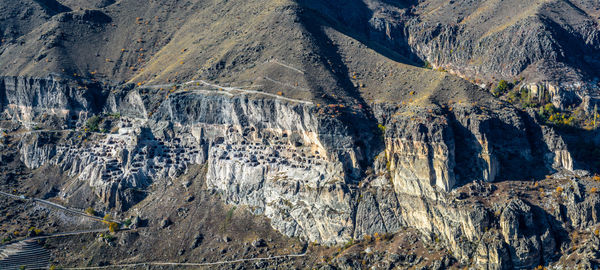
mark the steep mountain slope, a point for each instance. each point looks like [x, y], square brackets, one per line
[163, 42]
[322, 116]
[544, 41]
[547, 40]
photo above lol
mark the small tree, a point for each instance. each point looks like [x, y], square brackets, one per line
[35, 231]
[113, 227]
[90, 211]
[501, 88]
[127, 222]
[595, 115]
[92, 123]
[381, 130]
[559, 190]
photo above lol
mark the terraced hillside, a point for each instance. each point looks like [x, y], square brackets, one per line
[26, 255]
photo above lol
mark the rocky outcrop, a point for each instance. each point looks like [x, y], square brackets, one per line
[315, 178]
[439, 148]
[37, 148]
[578, 207]
[530, 239]
[492, 252]
[29, 99]
[478, 44]
[564, 95]
[558, 155]
[271, 155]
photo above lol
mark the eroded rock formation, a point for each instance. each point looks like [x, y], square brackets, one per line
[313, 177]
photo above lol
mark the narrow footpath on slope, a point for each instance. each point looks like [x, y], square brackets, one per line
[57, 206]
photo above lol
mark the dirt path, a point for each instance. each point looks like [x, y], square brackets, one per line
[186, 264]
[57, 206]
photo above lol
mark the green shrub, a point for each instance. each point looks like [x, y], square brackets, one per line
[35, 230]
[349, 244]
[127, 222]
[521, 97]
[228, 219]
[92, 124]
[549, 108]
[230, 214]
[107, 236]
[502, 87]
[561, 119]
[546, 111]
[551, 115]
[90, 211]
[381, 131]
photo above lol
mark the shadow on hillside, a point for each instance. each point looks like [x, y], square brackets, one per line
[360, 124]
[515, 154]
[578, 52]
[584, 146]
[52, 7]
[354, 19]
[543, 219]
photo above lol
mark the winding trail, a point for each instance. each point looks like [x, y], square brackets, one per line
[225, 88]
[23, 133]
[61, 234]
[286, 84]
[249, 91]
[57, 206]
[285, 65]
[47, 130]
[186, 264]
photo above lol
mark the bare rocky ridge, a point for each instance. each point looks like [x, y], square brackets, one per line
[315, 115]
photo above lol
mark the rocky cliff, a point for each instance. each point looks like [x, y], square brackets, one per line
[314, 176]
[339, 121]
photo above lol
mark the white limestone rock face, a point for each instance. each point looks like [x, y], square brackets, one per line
[36, 149]
[421, 157]
[558, 156]
[26, 99]
[268, 154]
[320, 178]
